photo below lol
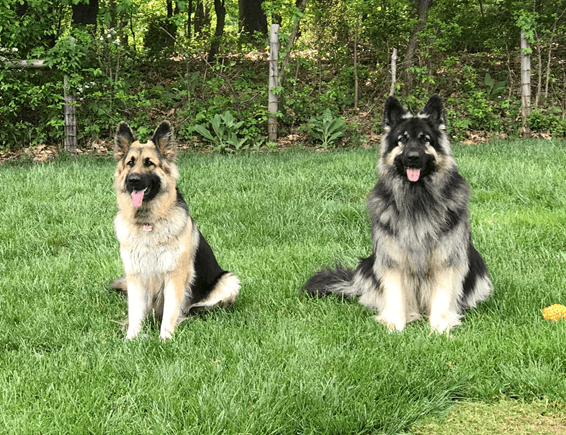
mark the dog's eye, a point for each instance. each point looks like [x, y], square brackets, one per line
[132, 162]
[424, 138]
[403, 139]
[148, 162]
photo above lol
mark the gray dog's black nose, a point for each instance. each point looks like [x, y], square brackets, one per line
[413, 158]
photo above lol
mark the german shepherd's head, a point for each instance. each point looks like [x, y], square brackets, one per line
[145, 171]
[415, 147]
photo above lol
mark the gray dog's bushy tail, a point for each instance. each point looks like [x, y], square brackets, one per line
[339, 281]
[120, 285]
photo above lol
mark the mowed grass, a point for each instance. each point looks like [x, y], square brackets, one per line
[278, 361]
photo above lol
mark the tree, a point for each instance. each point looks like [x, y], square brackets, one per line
[30, 25]
[252, 17]
[202, 17]
[220, 9]
[162, 32]
[85, 13]
[294, 34]
[422, 7]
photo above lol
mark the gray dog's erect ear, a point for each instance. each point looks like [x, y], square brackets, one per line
[434, 111]
[163, 139]
[393, 113]
[124, 138]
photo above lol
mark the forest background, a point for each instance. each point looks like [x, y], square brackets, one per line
[203, 64]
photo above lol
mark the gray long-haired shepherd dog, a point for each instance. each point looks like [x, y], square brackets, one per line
[169, 265]
[422, 260]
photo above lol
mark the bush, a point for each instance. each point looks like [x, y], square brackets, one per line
[31, 107]
[548, 120]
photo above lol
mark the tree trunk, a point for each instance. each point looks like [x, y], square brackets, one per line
[202, 17]
[21, 8]
[85, 14]
[539, 84]
[318, 52]
[121, 34]
[292, 38]
[422, 8]
[220, 10]
[558, 17]
[547, 81]
[252, 17]
[189, 15]
[112, 13]
[170, 25]
[393, 72]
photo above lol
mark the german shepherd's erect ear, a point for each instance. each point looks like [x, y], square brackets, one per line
[124, 138]
[393, 114]
[434, 111]
[163, 139]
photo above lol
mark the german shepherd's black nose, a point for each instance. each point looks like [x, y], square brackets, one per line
[414, 159]
[135, 181]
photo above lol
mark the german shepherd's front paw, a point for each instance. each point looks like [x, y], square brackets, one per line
[392, 324]
[442, 324]
[165, 335]
[133, 333]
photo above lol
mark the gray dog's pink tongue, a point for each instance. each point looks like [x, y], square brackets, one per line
[137, 198]
[413, 174]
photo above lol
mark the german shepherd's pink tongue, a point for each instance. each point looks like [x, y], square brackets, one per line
[137, 198]
[413, 174]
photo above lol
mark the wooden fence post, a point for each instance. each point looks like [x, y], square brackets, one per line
[70, 118]
[273, 79]
[525, 84]
[393, 72]
[356, 78]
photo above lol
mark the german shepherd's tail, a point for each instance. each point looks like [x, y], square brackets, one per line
[120, 285]
[339, 281]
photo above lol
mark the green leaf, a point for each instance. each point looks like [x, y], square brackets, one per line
[200, 129]
[488, 81]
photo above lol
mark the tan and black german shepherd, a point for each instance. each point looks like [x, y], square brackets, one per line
[169, 266]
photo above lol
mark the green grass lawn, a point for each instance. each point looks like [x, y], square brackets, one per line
[277, 362]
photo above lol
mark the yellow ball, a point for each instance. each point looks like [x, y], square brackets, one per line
[554, 312]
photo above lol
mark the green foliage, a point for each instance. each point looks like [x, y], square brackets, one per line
[31, 109]
[458, 125]
[481, 112]
[493, 87]
[66, 55]
[478, 104]
[224, 135]
[271, 145]
[354, 136]
[526, 21]
[135, 71]
[548, 120]
[32, 27]
[326, 129]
